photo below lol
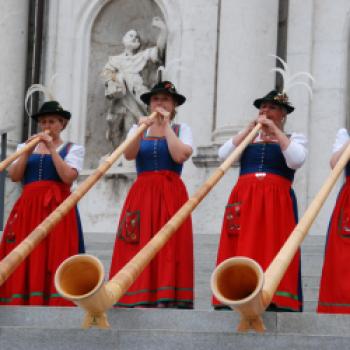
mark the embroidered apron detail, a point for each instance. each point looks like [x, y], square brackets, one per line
[232, 216]
[129, 228]
[11, 236]
[344, 222]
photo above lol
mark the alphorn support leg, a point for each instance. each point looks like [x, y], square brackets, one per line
[246, 324]
[95, 320]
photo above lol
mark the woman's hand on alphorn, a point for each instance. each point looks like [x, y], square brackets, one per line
[42, 136]
[270, 132]
[238, 138]
[269, 129]
[164, 117]
[145, 120]
[47, 140]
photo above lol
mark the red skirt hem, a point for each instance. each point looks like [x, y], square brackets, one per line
[333, 309]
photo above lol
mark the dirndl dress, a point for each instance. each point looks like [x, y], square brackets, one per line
[334, 294]
[32, 283]
[153, 199]
[260, 215]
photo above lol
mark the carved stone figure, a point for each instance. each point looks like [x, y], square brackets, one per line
[124, 82]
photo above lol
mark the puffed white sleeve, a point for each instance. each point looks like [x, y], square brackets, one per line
[185, 135]
[131, 131]
[296, 152]
[19, 146]
[341, 139]
[226, 149]
[75, 157]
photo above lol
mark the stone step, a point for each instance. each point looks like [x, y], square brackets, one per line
[177, 320]
[59, 328]
[65, 339]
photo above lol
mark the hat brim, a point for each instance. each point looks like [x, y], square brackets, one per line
[65, 114]
[146, 97]
[257, 103]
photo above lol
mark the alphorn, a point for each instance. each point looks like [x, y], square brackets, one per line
[6, 162]
[240, 282]
[18, 254]
[80, 277]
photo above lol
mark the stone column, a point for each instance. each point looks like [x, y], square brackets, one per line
[13, 43]
[299, 57]
[248, 35]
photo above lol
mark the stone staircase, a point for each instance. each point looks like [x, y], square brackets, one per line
[59, 328]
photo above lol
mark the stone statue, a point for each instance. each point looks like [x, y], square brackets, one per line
[124, 82]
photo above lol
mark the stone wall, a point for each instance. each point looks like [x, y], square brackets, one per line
[224, 46]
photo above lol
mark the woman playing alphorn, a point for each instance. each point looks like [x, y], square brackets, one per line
[334, 295]
[262, 211]
[153, 199]
[47, 171]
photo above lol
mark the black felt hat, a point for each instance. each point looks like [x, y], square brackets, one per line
[278, 98]
[163, 87]
[51, 107]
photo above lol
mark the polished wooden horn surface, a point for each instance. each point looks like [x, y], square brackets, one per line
[113, 290]
[253, 303]
[18, 254]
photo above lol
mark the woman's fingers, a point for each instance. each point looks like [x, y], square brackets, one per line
[145, 120]
[163, 115]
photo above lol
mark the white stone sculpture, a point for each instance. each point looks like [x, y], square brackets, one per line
[124, 82]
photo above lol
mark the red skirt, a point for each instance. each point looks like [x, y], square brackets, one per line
[168, 280]
[259, 217]
[32, 283]
[334, 295]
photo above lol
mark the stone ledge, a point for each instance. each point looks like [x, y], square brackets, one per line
[113, 173]
[207, 157]
[63, 339]
[306, 323]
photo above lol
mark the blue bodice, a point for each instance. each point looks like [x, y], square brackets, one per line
[40, 167]
[267, 158]
[347, 169]
[154, 155]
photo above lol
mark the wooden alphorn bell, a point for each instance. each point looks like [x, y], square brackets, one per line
[80, 277]
[240, 282]
[18, 254]
[32, 143]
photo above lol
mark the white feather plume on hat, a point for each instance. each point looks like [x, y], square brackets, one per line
[290, 80]
[47, 91]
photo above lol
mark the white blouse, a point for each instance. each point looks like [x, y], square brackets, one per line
[341, 139]
[185, 133]
[295, 154]
[74, 158]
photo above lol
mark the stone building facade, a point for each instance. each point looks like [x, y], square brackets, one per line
[224, 47]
